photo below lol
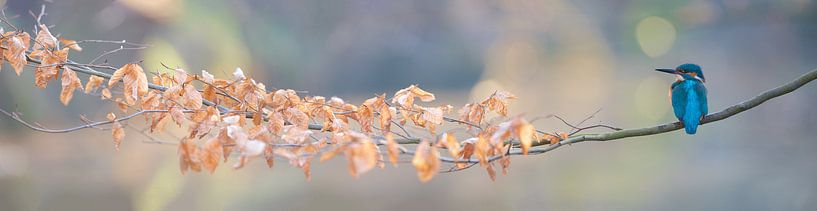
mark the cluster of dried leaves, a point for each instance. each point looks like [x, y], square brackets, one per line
[239, 118]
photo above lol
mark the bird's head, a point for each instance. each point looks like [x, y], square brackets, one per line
[687, 72]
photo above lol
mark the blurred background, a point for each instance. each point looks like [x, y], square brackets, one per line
[562, 57]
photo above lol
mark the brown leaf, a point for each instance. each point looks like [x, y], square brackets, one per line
[362, 156]
[269, 156]
[405, 97]
[70, 82]
[393, 149]
[211, 154]
[472, 113]
[505, 162]
[44, 39]
[525, 132]
[434, 116]
[297, 118]
[118, 134]
[72, 44]
[50, 64]
[189, 156]
[466, 152]
[295, 135]
[450, 142]
[93, 83]
[209, 93]
[192, 98]
[257, 117]
[178, 115]
[499, 102]
[276, 122]
[365, 117]
[117, 131]
[105, 94]
[426, 161]
[16, 44]
[135, 80]
[482, 149]
[386, 118]
[491, 172]
[123, 107]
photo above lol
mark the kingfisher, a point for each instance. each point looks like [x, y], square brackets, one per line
[688, 95]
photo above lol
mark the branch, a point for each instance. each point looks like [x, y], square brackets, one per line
[659, 129]
[82, 68]
[669, 127]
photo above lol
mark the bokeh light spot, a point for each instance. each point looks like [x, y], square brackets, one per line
[651, 98]
[655, 35]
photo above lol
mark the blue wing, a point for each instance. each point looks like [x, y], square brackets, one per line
[679, 99]
[700, 89]
[689, 103]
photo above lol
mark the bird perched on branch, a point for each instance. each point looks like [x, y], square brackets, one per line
[688, 95]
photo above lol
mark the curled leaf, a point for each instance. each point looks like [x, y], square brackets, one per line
[70, 82]
[16, 44]
[405, 97]
[426, 161]
[93, 83]
[72, 44]
[393, 149]
[135, 80]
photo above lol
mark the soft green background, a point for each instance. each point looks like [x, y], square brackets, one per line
[559, 56]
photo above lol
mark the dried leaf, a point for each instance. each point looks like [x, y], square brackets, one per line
[117, 131]
[178, 115]
[525, 132]
[472, 113]
[505, 162]
[426, 161]
[50, 64]
[405, 97]
[44, 39]
[276, 122]
[297, 118]
[269, 156]
[499, 102]
[211, 154]
[189, 156]
[123, 107]
[433, 116]
[207, 77]
[482, 149]
[93, 83]
[70, 82]
[135, 80]
[491, 172]
[118, 134]
[450, 142]
[239, 74]
[72, 44]
[466, 152]
[362, 156]
[17, 44]
[106, 94]
[192, 98]
[393, 149]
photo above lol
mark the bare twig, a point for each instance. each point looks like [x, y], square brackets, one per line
[84, 126]
[121, 48]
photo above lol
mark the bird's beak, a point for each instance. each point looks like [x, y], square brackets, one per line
[670, 71]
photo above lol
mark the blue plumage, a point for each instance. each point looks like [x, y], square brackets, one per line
[688, 96]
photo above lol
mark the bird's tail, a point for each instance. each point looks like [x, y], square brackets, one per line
[691, 125]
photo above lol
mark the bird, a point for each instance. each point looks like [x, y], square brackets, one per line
[688, 95]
